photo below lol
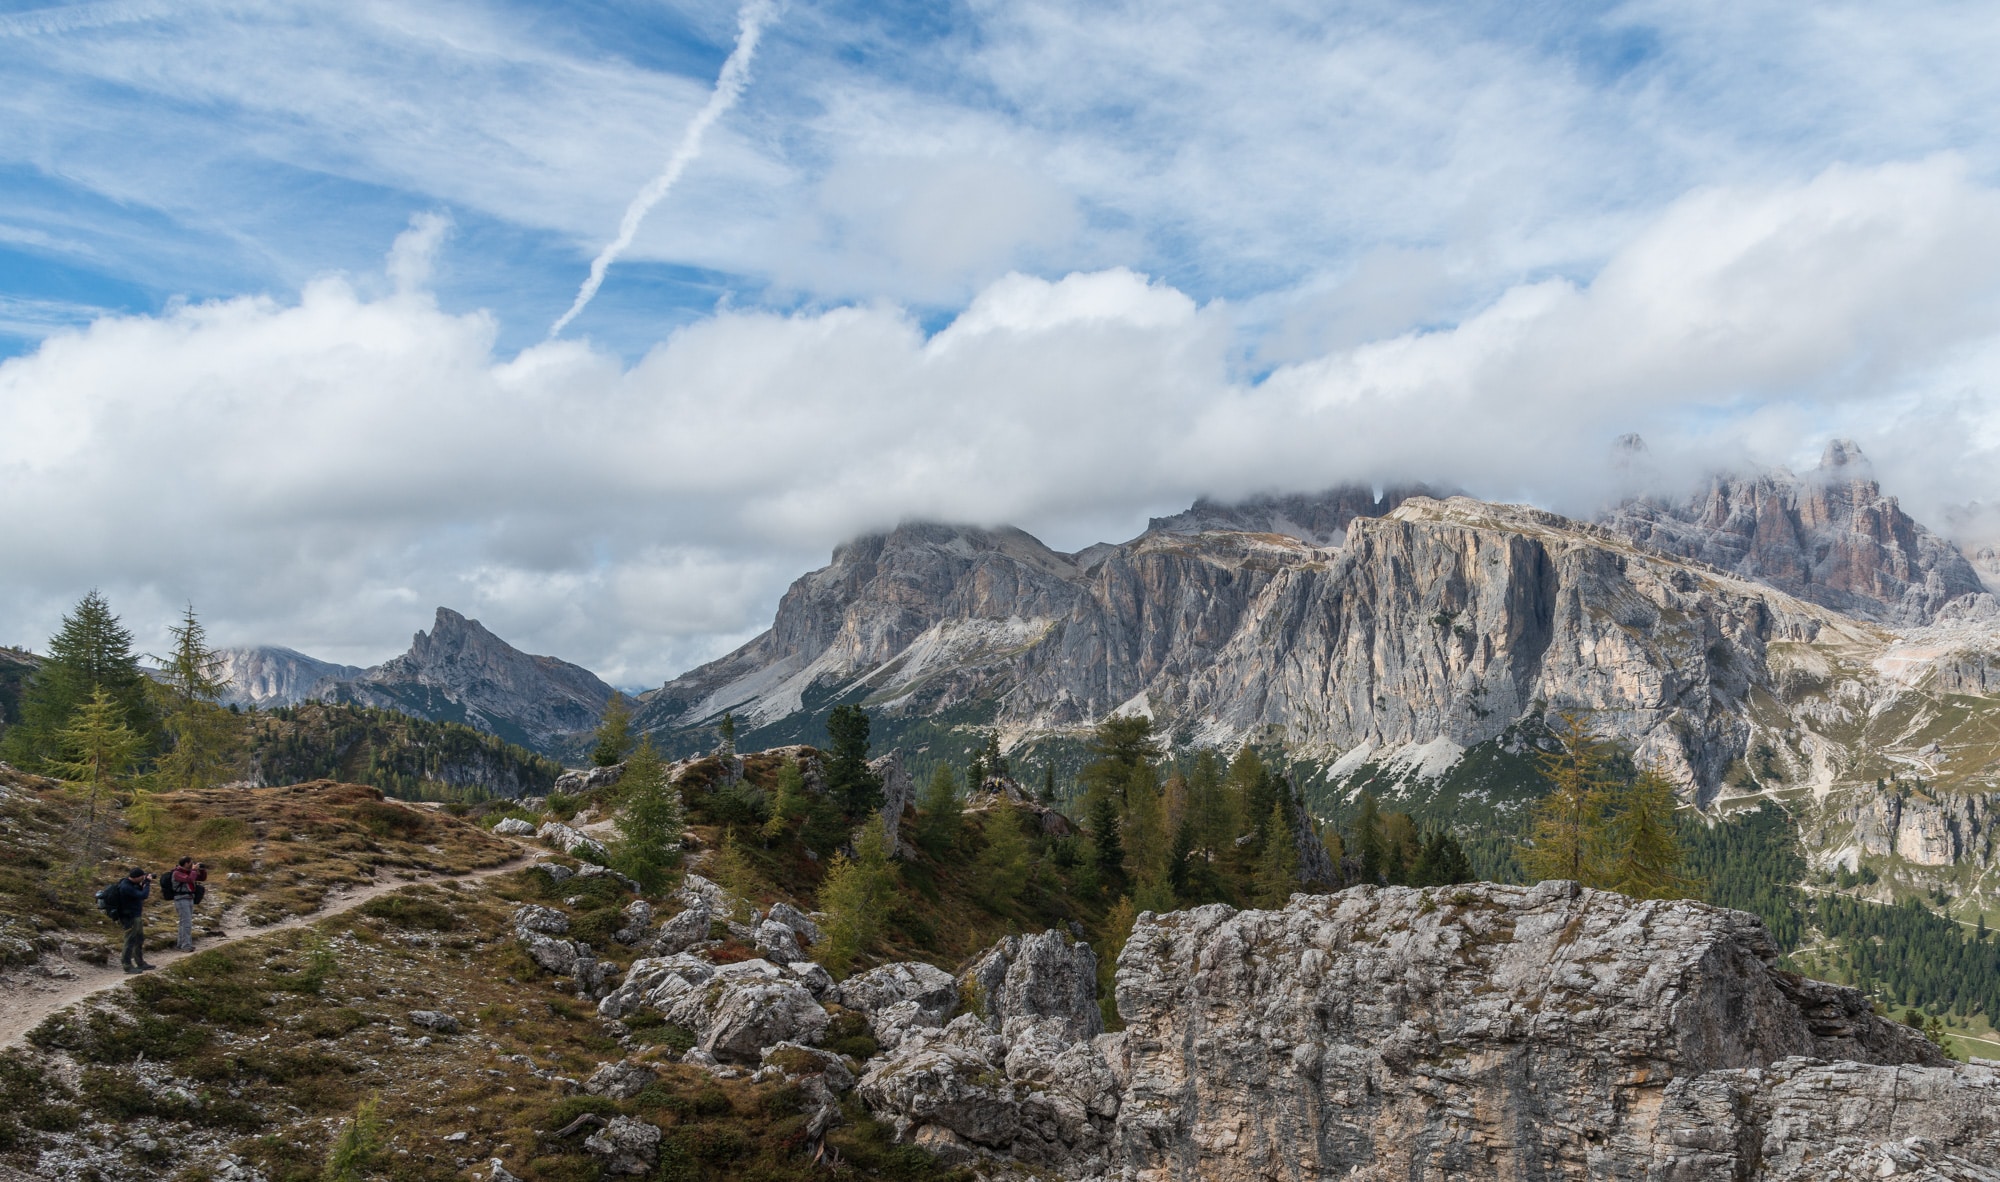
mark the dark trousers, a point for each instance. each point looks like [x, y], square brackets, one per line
[135, 942]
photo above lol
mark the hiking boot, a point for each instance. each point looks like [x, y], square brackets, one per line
[145, 968]
[130, 969]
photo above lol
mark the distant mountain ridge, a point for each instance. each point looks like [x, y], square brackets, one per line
[269, 675]
[457, 672]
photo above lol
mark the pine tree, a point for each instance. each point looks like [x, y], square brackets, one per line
[97, 754]
[1109, 847]
[1120, 745]
[1643, 855]
[204, 740]
[940, 813]
[1245, 789]
[1181, 860]
[1568, 831]
[1003, 865]
[651, 822]
[1211, 808]
[1441, 862]
[1049, 784]
[1368, 843]
[91, 651]
[991, 759]
[726, 732]
[614, 733]
[1278, 865]
[857, 895]
[858, 790]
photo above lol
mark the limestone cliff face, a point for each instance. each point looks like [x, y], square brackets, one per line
[1832, 538]
[1925, 829]
[1442, 621]
[460, 672]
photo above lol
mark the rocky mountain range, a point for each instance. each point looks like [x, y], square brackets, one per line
[457, 672]
[1770, 634]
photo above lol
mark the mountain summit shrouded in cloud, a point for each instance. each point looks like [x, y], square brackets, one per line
[1020, 265]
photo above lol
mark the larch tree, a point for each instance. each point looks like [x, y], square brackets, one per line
[614, 733]
[1278, 866]
[940, 812]
[204, 740]
[1642, 848]
[1567, 837]
[1003, 865]
[856, 896]
[96, 754]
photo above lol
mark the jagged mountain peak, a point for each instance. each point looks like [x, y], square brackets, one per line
[1832, 537]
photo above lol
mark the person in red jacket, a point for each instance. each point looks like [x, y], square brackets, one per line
[184, 887]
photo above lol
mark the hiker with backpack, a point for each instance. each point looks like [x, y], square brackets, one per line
[125, 901]
[184, 886]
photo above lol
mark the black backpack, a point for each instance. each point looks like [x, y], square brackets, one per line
[166, 882]
[107, 900]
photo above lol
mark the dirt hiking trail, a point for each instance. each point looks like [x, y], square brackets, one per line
[30, 997]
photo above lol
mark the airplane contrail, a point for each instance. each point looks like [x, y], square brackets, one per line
[728, 85]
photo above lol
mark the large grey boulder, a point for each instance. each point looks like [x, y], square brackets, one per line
[571, 842]
[801, 924]
[683, 931]
[533, 917]
[751, 1013]
[900, 997]
[638, 917]
[619, 1081]
[625, 1146]
[514, 827]
[1024, 979]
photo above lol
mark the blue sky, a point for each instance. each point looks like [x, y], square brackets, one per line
[1230, 247]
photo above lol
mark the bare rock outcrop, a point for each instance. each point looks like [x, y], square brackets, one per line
[1492, 1031]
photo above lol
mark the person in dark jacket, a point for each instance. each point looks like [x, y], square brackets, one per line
[128, 901]
[184, 887]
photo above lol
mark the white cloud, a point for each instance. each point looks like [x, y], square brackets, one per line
[321, 472]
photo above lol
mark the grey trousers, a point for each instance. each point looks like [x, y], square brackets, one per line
[135, 942]
[184, 907]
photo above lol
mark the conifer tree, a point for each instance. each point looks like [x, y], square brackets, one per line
[91, 651]
[735, 873]
[1120, 745]
[204, 740]
[651, 822]
[1106, 843]
[1048, 796]
[1118, 924]
[614, 733]
[991, 759]
[1181, 860]
[1566, 840]
[1643, 855]
[1245, 789]
[1211, 809]
[1368, 844]
[1145, 827]
[1278, 866]
[97, 751]
[1441, 862]
[789, 801]
[857, 895]
[940, 812]
[1003, 865]
[858, 790]
[726, 732]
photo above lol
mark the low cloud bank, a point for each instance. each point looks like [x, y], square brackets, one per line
[321, 472]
